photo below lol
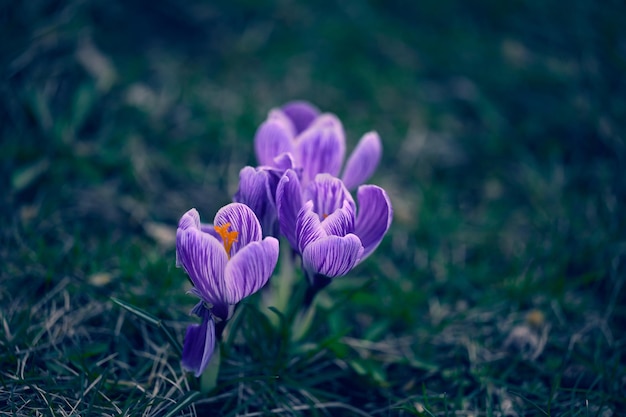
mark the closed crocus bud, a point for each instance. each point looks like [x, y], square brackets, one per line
[317, 144]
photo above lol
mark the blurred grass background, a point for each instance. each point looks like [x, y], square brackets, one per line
[498, 291]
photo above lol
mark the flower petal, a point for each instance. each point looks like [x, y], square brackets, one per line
[374, 216]
[252, 189]
[363, 161]
[332, 256]
[279, 116]
[255, 192]
[191, 219]
[301, 113]
[321, 148]
[250, 269]
[341, 221]
[243, 221]
[204, 259]
[328, 194]
[272, 138]
[283, 162]
[199, 344]
[288, 204]
[210, 229]
[308, 227]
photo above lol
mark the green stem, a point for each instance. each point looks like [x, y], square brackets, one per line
[317, 283]
[280, 293]
[285, 279]
[304, 316]
[302, 322]
[208, 379]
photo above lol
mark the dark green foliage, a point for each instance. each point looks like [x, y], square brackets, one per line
[498, 292]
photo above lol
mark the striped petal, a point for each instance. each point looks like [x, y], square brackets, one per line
[321, 148]
[190, 220]
[273, 137]
[328, 194]
[341, 221]
[250, 269]
[288, 205]
[332, 256]
[255, 192]
[374, 216]
[204, 259]
[243, 221]
[308, 227]
[283, 162]
[199, 343]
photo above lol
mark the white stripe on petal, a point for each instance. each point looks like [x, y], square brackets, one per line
[204, 259]
[332, 256]
[199, 345]
[341, 221]
[321, 148]
[288, 204]
[308, 228]
[374, 216]
[250, 269]
[243, 221]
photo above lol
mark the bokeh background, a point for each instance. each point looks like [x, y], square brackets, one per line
[498, 291]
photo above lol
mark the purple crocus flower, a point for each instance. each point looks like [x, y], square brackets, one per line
[322, 223]
[226, 263]
[257, 190]
[317, 143]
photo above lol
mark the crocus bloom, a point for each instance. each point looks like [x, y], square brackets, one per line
[321, 222]
[226, 263]
[317, 143]
[257, 190]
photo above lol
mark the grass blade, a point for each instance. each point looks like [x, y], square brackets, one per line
[184, 403]
[152, 320]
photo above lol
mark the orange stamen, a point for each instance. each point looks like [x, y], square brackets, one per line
[228, 238]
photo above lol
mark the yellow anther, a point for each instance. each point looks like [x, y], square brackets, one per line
[228, 238]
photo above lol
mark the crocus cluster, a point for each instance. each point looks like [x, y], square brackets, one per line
[302, 191]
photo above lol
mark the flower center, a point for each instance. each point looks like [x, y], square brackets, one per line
[228, 238]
